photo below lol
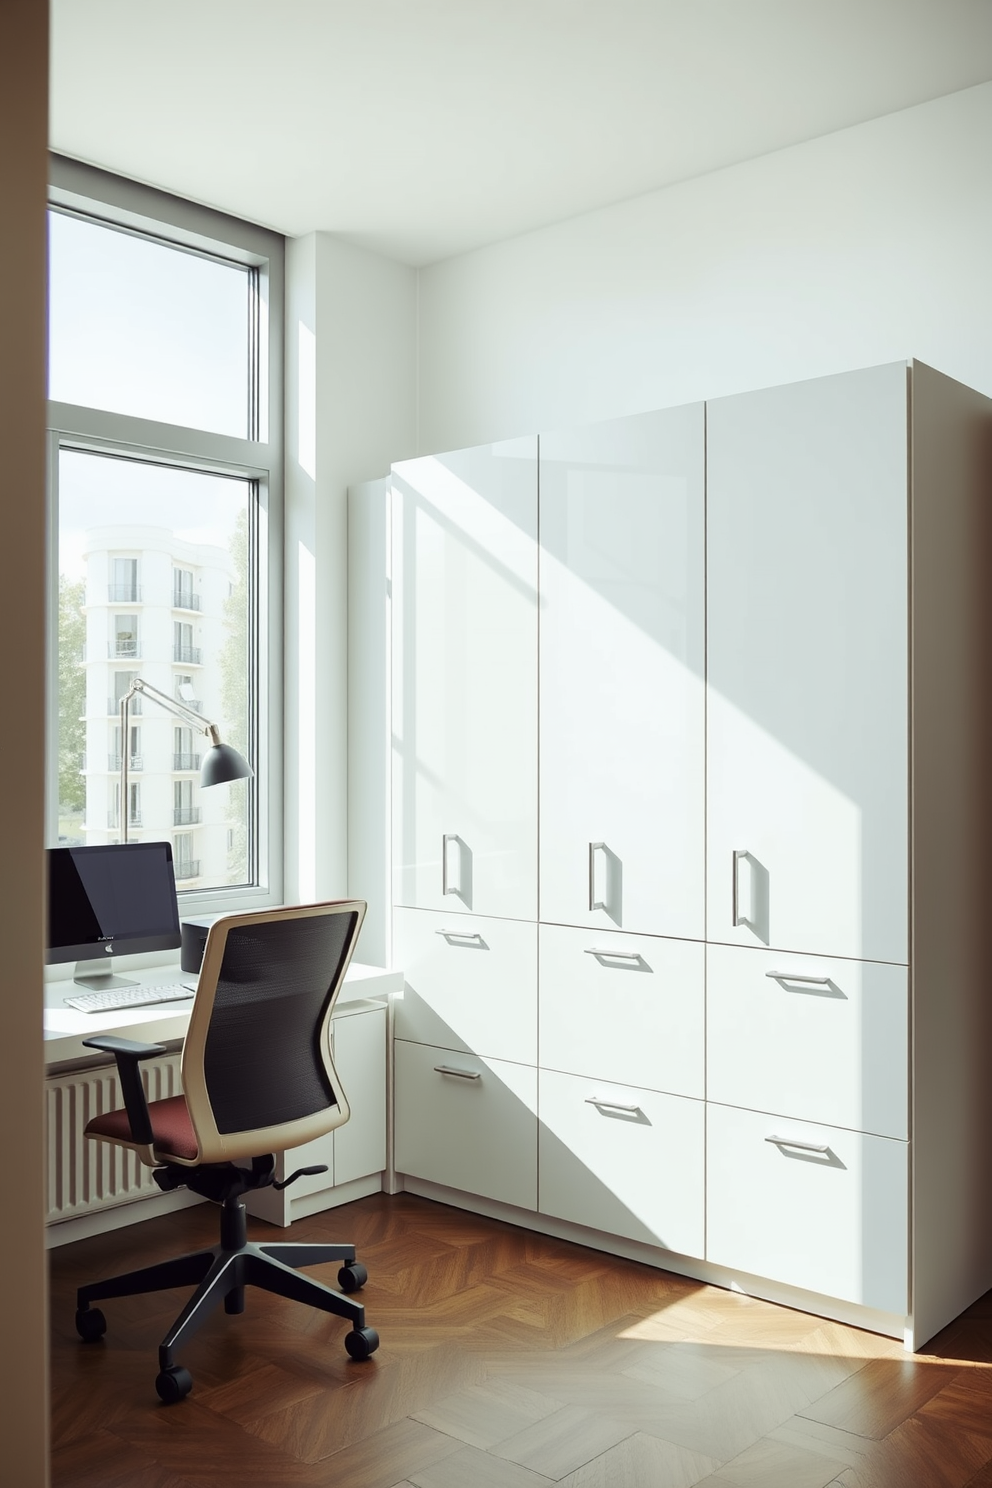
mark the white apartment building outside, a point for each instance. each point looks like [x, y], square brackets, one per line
[155, 609]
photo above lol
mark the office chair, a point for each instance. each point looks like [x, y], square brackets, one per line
[257, 1079]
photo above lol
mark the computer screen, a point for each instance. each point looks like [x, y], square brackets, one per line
[109, 901]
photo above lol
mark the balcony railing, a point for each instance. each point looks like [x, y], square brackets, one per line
[121, 647]
[135, 762]
[114, 819]
[185, 761]
[185, 599]
[188, 869]
[185, 816]
[114, 705]
[189, 655]
[123, 593]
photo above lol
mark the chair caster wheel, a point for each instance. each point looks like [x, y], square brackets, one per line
[361, 1343]
[90, 1324]
[352, 1276]
[174, 1384]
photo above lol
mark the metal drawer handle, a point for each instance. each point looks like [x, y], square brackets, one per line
[448, 1069]
[594, 848]
[803, 1146]
[613, 955]
[459, 934]
[608, 1105]
[789, 976]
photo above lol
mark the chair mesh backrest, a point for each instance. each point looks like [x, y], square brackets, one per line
[262, 1062]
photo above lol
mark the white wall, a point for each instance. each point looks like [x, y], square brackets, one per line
[865, 246]
[351, 337]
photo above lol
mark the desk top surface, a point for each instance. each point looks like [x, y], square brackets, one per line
[66, 1027]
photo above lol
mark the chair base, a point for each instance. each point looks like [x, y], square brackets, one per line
[221, 1274]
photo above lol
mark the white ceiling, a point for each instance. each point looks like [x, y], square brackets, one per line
[423, 128]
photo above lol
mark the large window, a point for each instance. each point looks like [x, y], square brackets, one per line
[142, 327]
[166, 526]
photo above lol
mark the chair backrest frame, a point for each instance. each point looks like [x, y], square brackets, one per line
[215, 1145]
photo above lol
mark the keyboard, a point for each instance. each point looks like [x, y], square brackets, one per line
[119, 999]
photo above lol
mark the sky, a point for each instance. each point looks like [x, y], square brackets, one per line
[146, 329]
[97, 490]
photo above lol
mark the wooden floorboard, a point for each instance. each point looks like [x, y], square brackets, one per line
[508, 1360]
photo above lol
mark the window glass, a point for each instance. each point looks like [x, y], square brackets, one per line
[141, 327]
[184, 535]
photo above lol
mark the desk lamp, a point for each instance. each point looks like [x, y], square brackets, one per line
[221, 762]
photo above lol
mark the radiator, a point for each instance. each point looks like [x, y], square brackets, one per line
[85, 1176]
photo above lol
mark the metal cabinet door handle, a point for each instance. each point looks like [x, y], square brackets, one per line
[802, 1146]
[446, 838]
[594, 903]
[459, 934]
[788, 976]
[736, 896]
[449, 1069]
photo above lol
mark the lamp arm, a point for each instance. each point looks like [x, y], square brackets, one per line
[226, 764]
[173, 705]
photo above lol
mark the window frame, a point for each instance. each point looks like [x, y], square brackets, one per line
[129, 206]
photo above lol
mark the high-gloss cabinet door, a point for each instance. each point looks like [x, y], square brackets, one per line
[625, 1161]
[816, 1038]
[464, 668]
[807, 666]
[622, 657]
[815, 1207]
[470, 983]
[628, 1008]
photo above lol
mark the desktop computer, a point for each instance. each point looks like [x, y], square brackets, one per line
[107, 901]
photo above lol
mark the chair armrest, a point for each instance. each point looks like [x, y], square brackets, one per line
[127, 1053]
[114, 1045]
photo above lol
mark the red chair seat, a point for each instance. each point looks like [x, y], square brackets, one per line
[172, 1129]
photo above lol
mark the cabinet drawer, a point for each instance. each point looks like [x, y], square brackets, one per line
[626, 1008]
[625, 1161]
[803, 1036]
[822, 1208]
[471, 983]
[473, 1129]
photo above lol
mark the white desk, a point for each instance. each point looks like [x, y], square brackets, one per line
[90, 1192]
[66, 1027]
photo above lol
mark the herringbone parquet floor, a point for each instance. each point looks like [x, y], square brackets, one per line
[508, 1360]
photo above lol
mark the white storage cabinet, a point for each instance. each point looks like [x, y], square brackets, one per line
[812, 1126]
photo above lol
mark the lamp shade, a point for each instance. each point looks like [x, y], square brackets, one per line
[223, 762]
